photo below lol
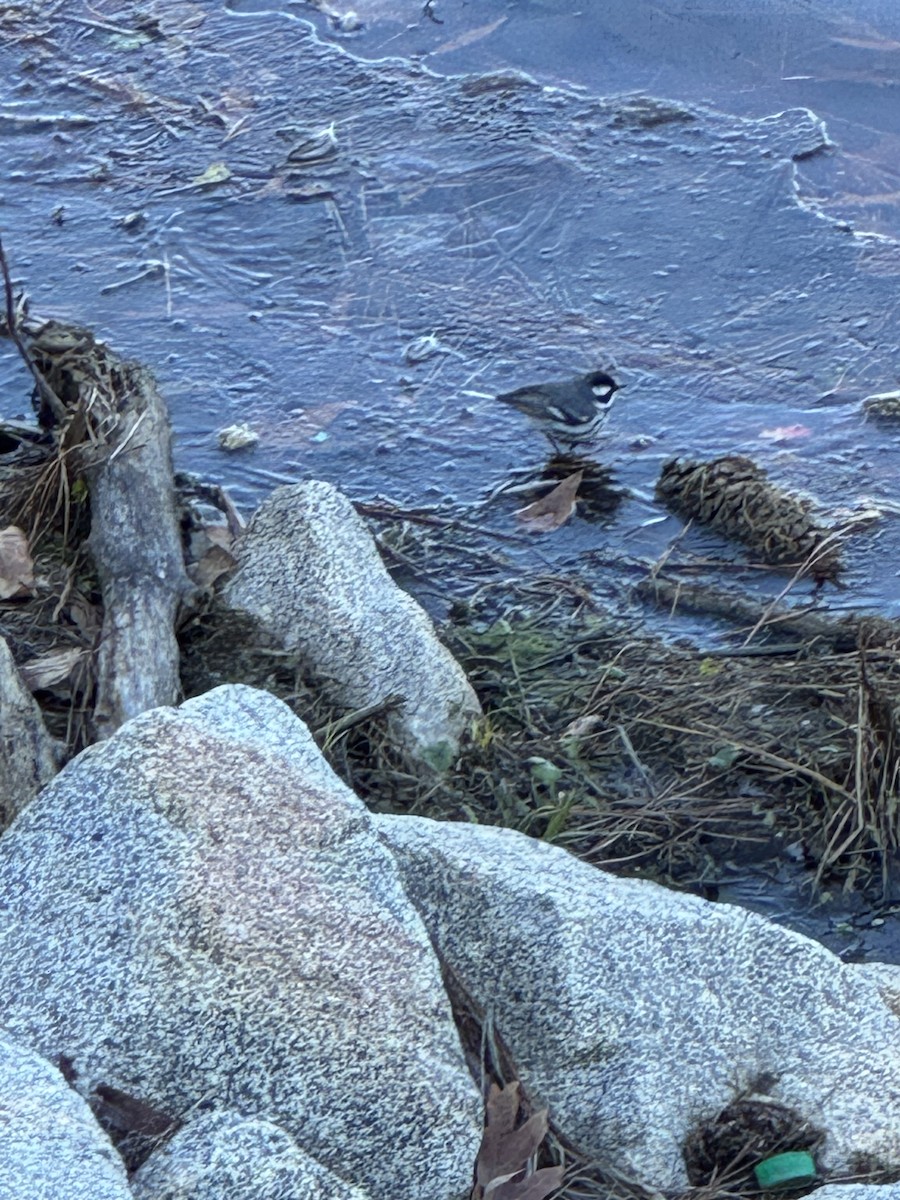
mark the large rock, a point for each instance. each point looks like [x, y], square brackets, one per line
[886, 977]
[224, 1156]
[51, 1148]
[198, 910]
[636, 1013]
[858, 1191]
[311, 574]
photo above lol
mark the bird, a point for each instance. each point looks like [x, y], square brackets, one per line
[569, 411]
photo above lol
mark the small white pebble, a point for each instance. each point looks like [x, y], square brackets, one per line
[421, 349]
[349, 22]
[237, 437]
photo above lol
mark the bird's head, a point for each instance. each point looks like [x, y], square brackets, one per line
[603, 386]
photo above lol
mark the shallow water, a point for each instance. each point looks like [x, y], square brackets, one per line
[716, 248]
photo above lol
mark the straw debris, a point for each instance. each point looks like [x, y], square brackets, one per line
[630, 752]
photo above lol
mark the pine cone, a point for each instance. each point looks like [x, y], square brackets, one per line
[733, 496]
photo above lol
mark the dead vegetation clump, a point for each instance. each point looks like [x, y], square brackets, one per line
[720, 1154]
[628, 751]
[662, 752]
[51, 626]
[93, 485]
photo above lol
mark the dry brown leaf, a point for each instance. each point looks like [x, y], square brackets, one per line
[83, 615]
[501, 1111]
[16, 564]
[535, 1187]
[219, 535]
[554, 509]
[505, 1150]
[47, 670]
[131, 1114]
[215, 563]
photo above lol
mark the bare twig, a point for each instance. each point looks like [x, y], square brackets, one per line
[57, 407]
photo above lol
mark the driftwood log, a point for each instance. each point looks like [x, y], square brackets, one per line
[116, 437]
[28, 755]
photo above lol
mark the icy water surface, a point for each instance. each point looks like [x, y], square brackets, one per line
[270, 222]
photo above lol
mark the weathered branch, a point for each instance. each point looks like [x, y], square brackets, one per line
[27, 752]
[136, 545]
[46, 392]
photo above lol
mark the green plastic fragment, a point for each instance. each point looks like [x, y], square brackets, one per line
[792, 1169]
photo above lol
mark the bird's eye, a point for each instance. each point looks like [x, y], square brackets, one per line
[602, 391]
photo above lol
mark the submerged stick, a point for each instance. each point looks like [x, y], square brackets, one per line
[12, 325]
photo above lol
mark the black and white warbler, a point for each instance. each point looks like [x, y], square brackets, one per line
[567, 412]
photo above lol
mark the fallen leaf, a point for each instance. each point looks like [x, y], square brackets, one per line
[83, 615]
[724, 758]
[217, 172]
[534, 1187]
[215, 563]
[544, 771]
[130, 1114]
[470, 36]
[554, 509]
[581, 727]
[47, 670]
[16, 564]
[784, 433]
[219, 535]
[505, 1150]
[131, 41]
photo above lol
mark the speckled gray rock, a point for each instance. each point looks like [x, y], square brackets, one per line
[199, 910]
[224, 1156]
[51, 1148]
[858, 1191]
[310, 573]
[885, 977]
[635, 1012]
